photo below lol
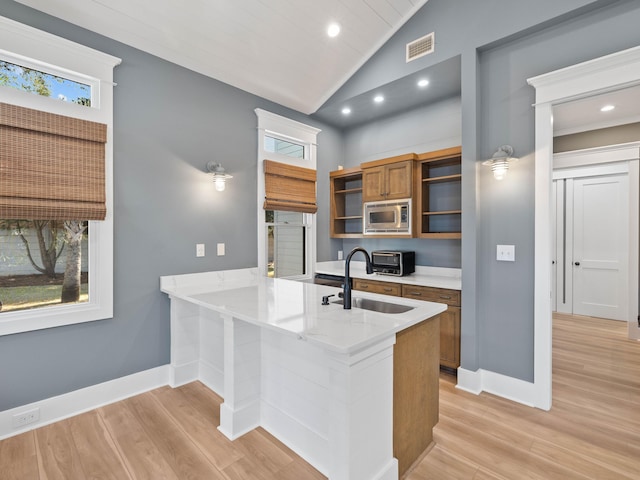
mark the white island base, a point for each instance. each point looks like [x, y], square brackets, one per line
[319, 378]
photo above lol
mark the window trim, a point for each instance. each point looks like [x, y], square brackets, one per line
[60, 57]
[291, 130]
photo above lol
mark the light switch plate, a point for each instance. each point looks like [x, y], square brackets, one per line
[506, 253]
[220, 247]
[199, 249]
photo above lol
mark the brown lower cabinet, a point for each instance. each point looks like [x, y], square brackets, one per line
[449, 320]
[374, 286]
[415, 391]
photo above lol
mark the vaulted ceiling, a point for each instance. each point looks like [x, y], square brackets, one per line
[277, 49]
[280, 50]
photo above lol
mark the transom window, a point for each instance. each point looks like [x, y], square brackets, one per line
[283, 147]
[45, 84]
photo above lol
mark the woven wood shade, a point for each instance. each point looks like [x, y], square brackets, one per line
[289, 188]
[51, 166]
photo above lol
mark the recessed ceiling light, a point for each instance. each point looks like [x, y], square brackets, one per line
[607, 108]
[346, 111]
[423, 83]
[378, 99]
[333, 30]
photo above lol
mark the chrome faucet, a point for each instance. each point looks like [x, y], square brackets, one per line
[347, 279]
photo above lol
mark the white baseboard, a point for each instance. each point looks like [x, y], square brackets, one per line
[79, 401]
[183, 374]
[496, 384]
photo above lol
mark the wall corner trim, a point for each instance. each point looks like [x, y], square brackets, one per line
[497, 384]
[85, 399]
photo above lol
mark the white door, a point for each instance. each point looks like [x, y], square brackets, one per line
[600, 246]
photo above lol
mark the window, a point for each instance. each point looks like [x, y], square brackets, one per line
[286, 234]
[51, 75]
[32, 264]
[283, 147]
[45, 84]
[286, 243]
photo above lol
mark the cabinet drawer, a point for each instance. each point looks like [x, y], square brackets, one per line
[431, 294]
[385, 288]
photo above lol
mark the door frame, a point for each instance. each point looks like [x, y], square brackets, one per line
[593, 77]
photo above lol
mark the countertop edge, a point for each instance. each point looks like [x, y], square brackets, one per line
[425, 311]
[440, 278]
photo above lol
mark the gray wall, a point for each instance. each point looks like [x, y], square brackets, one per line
[460, 26]
[168, 122]
[423, 129]
[501, 44]
[506, 213]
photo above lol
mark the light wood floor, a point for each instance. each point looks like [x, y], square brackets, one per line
[592, 431]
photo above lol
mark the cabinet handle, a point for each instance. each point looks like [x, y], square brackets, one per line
[577, 264]
[364, 285]
[417, 294]
[387, 289]
[445, 297]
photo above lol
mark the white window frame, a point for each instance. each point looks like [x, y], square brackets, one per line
[281, 127]
[33, 48]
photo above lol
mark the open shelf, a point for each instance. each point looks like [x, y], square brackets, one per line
[346, 203]
[439, 198]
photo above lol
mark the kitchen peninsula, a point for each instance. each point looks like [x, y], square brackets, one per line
[320, 378]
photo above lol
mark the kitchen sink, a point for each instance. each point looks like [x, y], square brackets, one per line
[376, 305]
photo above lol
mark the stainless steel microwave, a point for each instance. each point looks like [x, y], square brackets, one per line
[388, 217]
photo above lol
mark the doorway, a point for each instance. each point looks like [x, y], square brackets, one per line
[608, 73]
[591, 209]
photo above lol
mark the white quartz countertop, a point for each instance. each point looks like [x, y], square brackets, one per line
[295, 308]
[426, 276]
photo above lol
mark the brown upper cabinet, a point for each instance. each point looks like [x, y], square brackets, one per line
[432, 180]
[388, 179]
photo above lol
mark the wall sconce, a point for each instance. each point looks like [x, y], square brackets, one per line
[499, 163]
[220, 177]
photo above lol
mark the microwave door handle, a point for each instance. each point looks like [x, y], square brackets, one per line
[385, 254]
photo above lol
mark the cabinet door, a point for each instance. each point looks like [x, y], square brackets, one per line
[432, 294]
[373, 187]
[373, 286]
[398, 180]
[450, 338]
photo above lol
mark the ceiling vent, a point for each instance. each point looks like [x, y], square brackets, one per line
[420, 47]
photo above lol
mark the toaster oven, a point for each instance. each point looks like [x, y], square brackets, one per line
[393, 262]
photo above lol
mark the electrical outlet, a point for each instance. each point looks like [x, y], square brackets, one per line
[199, 249]
[220, 249]
[340, 253]
[506, 253]
[25, 418]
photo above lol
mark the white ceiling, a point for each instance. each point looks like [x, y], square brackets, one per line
[277, 49]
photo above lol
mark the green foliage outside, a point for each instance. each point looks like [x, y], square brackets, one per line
[35, 81]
